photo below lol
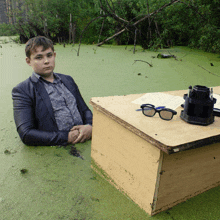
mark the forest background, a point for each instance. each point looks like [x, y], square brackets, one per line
[150, 23]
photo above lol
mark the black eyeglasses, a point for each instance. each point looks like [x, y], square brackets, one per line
[165, 113]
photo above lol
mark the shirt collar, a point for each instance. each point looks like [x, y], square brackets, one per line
[56, 77]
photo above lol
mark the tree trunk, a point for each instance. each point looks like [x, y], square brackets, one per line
[70, 28]
[135, 39]
[149, 22]
[101, 30]
[74, 32]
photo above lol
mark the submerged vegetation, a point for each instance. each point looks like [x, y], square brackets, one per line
[149, 23]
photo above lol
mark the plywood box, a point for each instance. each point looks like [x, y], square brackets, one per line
[153, 161]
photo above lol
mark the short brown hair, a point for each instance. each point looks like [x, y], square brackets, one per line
[36, 42]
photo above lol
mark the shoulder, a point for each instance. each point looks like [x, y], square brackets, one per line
[24, 89]
[25, 85]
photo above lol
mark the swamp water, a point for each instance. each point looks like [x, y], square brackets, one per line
[43, 183]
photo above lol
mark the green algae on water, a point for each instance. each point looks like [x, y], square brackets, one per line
[60, 186]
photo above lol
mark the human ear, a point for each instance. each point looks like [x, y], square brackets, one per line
[28, 61]
[54, 54]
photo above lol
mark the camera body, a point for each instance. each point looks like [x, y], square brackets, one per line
[198, 107]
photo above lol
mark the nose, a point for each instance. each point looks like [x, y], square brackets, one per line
[46, 61]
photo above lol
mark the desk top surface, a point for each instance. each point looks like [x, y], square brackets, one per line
[169, 136]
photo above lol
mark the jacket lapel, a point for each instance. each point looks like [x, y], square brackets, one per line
[68, 85]
[39, 86]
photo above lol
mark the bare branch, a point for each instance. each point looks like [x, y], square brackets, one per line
[112, 13]
[208, 71]
[137, 22]
[124, 29]
[144, 62]
[86, 28]
[155, 12]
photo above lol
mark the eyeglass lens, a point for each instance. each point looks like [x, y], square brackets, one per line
[148, 111]
[164, 114]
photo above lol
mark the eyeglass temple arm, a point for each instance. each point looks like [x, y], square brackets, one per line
[159, 107]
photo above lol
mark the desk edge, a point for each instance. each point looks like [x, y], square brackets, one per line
[165, 148]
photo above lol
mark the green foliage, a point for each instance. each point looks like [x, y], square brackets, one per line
[51, 17]
[15, 39]
[7, 30]
[193, 23]
[187, 23]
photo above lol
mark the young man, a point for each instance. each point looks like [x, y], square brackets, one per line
[48, 107]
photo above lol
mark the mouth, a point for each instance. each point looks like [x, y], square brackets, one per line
[47, 68]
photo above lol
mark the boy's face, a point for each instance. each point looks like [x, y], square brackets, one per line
[42, 62]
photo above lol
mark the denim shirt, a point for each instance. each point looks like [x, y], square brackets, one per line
[63, 102]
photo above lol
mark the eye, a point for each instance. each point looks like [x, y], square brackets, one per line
[50, 55]
[38, 58]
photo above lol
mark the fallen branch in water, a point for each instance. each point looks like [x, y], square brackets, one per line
[208, 71]
[144, 62]
[160, 55]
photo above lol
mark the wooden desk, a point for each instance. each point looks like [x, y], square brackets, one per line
[157, 163]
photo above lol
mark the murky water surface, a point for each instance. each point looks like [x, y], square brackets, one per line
[49, 183]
